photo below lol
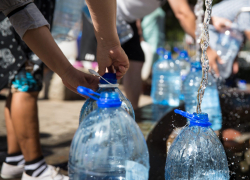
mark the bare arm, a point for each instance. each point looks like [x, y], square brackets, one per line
[103, 15]
[109, 51]
[247, 33]
[185, 16]
[42, 43]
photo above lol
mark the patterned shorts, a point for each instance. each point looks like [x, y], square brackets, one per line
[27, 80]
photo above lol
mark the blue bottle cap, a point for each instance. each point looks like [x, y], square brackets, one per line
[242, 81]
[168, 55]
[108, 100]
[176, 49]
[195, 119]
[184, 54]
[160, 51]
[110, 77]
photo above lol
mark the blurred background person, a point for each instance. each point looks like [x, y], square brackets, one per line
[132, 10]
[224, 16]
[153, 30]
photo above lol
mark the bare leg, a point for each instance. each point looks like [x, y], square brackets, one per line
[24, 114]
[133, 82]
[13, 146]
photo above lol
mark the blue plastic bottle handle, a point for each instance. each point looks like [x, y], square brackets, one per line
[195, 119]
[87, 92]
[184, 114]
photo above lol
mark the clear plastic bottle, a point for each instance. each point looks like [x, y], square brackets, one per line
[90, 104]
[124, 30]
[67, 19]
[196, 153]
[227, 47]
[166, 85]
[210, 102]
[108, 144]
[183, 61]
[242, 84]
[228, 43]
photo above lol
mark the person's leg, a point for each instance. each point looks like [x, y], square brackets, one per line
[132, 80]
[13, 146]
[24, 114]
[13, 166]
[133, 83]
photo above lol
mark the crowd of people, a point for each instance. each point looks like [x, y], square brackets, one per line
[26, 43]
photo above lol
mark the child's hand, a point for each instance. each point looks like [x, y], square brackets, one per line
[74, 78]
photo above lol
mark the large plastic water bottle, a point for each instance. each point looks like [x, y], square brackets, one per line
[166, 85]
[67, 19]
[196, 153]
[228, 43]
[183, 61]
[210, 103]
[227, 47]
[124, 30]
[108, 144]
[90, 105]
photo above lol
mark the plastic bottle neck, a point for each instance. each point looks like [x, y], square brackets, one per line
[200, 120]
[109, 100]
[108, 85]
[196, 66]
[183, 59]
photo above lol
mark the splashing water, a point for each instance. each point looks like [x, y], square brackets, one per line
[199, 12]
[204, 58]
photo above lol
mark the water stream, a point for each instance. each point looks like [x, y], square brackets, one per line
[199, 12]
[204, 58]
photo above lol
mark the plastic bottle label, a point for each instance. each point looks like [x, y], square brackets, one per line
[136, 171]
